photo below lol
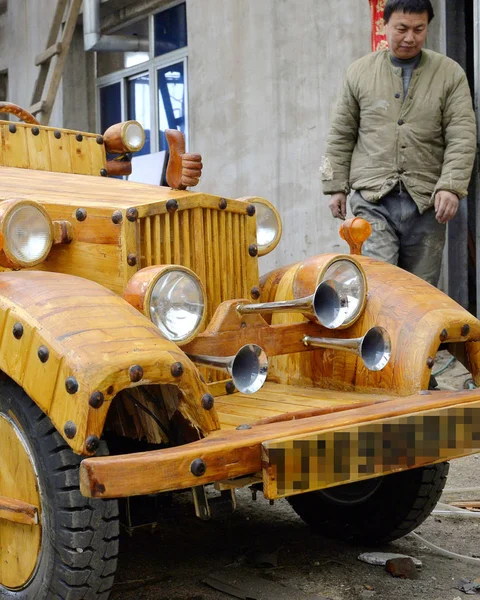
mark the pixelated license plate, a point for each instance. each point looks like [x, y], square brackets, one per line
[318, 460]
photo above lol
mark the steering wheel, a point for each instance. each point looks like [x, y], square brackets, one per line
[18, 111]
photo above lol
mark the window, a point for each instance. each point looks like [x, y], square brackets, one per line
[150, 87]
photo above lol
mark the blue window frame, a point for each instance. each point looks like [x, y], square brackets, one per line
[151, 89]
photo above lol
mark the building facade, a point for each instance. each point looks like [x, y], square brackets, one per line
[251, 83]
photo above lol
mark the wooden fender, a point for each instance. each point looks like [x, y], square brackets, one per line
[73, 345]
[417, 316]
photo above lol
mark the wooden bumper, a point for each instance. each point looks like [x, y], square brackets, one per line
[338, 448]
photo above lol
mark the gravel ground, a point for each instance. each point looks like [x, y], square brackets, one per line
[171, 562]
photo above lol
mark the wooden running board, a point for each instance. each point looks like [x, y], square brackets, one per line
[52, 60]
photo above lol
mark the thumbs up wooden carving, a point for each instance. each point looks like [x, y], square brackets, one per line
[183, 170]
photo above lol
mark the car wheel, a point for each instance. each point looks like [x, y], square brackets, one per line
[70, 552]
[374, 511]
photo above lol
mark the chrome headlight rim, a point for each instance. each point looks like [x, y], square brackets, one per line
[11, 208]
[322, 277]
[148, 298]
[129, 125]
[257, 201]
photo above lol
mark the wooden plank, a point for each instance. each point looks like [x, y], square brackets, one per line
[61, 159]
[52, 38]
[14, 148]
[17, 511]
[48, 53]
[230, 454]
[59, 60]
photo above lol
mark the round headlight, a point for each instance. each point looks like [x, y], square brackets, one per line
[28, 234]
[177, 304]
[133, 136]
[269, 224]
[342, 294]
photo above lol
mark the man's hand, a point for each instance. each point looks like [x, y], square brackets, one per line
[338, 205]
[446, 206]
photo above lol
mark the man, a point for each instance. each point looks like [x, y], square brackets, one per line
[403, 137]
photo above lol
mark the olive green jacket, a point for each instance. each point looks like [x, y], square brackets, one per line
[376, 139]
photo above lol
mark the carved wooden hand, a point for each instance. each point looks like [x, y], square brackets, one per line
[183, 170]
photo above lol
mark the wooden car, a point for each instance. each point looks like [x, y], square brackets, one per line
[141, 353]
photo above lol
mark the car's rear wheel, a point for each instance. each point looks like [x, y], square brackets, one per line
[374, 511]
[70, 550]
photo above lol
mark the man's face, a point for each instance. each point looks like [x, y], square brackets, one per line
[406, 33]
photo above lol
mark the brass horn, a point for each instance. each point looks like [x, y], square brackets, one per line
[374, 348]
[248, 368]
[326, 304]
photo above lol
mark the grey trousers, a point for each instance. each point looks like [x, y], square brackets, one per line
[401, 235]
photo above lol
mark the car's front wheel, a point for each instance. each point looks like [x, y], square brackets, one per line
[374, 511]
[69, 548]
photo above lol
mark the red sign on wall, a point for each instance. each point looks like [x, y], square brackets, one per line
[379, 41]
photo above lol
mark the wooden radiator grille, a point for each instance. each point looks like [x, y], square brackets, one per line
[213, 243]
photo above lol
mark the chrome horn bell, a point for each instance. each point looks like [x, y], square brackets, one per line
[374, 348]
[248, 368]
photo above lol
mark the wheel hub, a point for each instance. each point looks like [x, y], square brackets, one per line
[20, 530]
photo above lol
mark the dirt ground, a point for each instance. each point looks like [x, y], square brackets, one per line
[172, 562]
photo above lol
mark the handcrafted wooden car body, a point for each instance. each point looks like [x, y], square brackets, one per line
[320, 420]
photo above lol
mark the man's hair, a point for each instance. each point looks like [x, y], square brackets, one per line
[408, 6]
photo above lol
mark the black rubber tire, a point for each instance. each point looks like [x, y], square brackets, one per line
[78, 556]
[385, 509]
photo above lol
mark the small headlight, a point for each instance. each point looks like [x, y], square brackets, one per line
[269, 224]
[346, 288]
[133, 136]
[28, 233]
[128, 136]
[177, 304]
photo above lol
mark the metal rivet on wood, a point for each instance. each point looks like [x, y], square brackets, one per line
[103, 172]
[99, 139]
[465, 330]
[208, 401]
[172, 205]
[176, 369]
[132, 260]
[117, 217]
[92, 443]
[244, 426]
[430, 362]
[17, 331]
[229, 387]
[57, 134]
[198, 467]
[132, 214]
[222, 204]
[135, 373]
[70, 429]
[35, 130]
[43, 354]
[12, 128]
[80, 214]
[79, 137]
[443, 335]
[253, 250]
[251, 210]
[255, 292]
[71, 385]
[96, 399]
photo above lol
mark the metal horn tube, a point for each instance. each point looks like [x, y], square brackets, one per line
[248, 368]
[374, 348]
[324, 304]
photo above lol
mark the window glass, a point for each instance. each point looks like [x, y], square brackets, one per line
[109, 62]
[138, 94]
[110, 106]
[170, 29]
[171, 100]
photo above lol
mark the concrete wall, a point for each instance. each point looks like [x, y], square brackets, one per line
[263, 80]
[24, 33]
